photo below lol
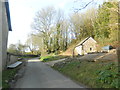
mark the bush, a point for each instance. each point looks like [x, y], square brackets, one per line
[108, 75]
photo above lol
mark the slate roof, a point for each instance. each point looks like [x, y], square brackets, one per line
[84, 40]
[8, 15]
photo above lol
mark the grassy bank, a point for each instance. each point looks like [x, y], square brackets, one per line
[51, 58]
[28, 57]
[0, 78]
[7, 76]
[92, 74]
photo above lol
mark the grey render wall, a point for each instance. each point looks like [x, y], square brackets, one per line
[0, 45]
[0, 36]
[4, 36]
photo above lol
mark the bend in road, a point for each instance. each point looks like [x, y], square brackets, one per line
[39, 75]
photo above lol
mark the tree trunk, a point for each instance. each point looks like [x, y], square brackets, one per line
[73, 54]
[118, 53]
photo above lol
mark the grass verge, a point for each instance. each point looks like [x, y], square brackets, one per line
[0, 78]
[92, 74]
[7, 76]
[51, 58]
[28, 57]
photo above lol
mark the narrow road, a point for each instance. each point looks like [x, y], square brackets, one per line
[39, 75]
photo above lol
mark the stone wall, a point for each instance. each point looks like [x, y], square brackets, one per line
[89, 46]
[11, 59]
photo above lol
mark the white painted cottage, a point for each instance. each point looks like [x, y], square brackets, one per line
[86, 46]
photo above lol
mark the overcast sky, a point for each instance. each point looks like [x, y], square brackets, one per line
[23, 11]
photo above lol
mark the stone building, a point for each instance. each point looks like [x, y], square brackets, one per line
[88, 45]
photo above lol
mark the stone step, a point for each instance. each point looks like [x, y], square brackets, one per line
[14, 64]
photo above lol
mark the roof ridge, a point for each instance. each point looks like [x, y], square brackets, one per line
[83, 41]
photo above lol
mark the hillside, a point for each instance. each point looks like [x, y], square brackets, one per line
[69, 51]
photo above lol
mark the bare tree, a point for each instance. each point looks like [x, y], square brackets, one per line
[32, 43]
[43, 23]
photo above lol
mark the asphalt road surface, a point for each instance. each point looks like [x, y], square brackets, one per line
[40, 75]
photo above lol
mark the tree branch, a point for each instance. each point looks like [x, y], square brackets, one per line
[83, 7]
